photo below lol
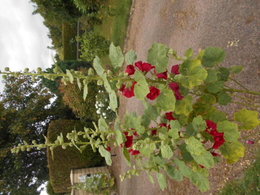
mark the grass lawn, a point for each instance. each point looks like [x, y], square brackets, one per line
[114, 28]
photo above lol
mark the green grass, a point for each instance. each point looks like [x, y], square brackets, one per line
[248, 185]
[114, 28]
[65, 160]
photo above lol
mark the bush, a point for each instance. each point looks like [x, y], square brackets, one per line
[69, 43]
[71, 158]
[88, 6]
[73, 97]
[93, 45]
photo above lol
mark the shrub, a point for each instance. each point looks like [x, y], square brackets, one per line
[65, 160]
[88, 6]
[73, 97]
[93, 45]
[69, 33]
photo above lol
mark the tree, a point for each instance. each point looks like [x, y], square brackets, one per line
[25, 112]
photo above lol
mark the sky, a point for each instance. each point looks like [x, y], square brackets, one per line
[23, 37]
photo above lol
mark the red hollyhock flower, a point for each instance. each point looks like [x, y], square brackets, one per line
[134, 152]
[136, 134]
[154, 132]
[219, 141]
[129, 140]
[128, 92]
[108, 148]
[143, 66]
[169, 116]
[154, 93]
[215, 154]
[176, 89]
[130, 69]
[211, 125]
[218, 136]
[162, 75]
[250, 141]
[175, 69]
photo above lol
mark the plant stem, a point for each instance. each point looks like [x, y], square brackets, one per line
[238, 83]
[243, 91]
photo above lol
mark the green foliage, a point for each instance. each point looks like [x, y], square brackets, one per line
[93, 45]
[141, 88]
[130, 57]
[248, 184]
[88, 7]
[58, 170]
[166, 96]
[69, 44]
[116, 56]
[158, 56]
[184, 106]
[231, 133]
[247, 118]
[232, 151]
[213, 56]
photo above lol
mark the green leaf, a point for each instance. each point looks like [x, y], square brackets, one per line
[189, 53]
[217, 115]
[199, 124]
[127, 156]
[236, 69]
[201, 180]
[230, 130]
[102, 125]
[223, 74]
[166, 100]
[212, 76]
[166, 151]
[106, 154]
[174, 131]
[106, 83]
[158, 56]
[215, 87]
[213, 56]
[150, 178]
[174, 173]
[141, 88]
[119, 137]
[184, 169]
[184, 106]
[113, 104]
[232, 151]
[192, 74]
[71, 78]
[224, 98]
[97, 66]
[162, 181]
[132, 121]
[116, 56]
[248, 119]
[130, 57]
[199, 153]
[148, 149]
[150, 113]
[79, 84]
[85, 91]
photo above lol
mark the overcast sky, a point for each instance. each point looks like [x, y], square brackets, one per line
[23, 37]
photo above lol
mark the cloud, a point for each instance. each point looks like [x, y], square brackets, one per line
[23, 37]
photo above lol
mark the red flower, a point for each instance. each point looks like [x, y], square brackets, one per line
[211, 125]
[154, 93]
[130, 69]
[128, 92]
[250, 141]
[134, 152]
[162, 75]
[136, 134]
[215, 154]
[175, 69]
[143, 66]
[129, 140]
[219, 141]
[169, 116]
[218, 136]
[154, 132]
[176, 89]
[108, 148]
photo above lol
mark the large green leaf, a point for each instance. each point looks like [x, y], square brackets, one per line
[224, 98]
[199, 153]
[141, 88]
[69, 74]
[97, 66]
[132, 121]
[230, 130]
[213, 56]
[166, 151]
[184, 106]
[174, 173]
[106, 154]
[102, 125]
[166, 100]
[200, 179]
[199, 124]
[212, 76]
[232, 151]
[192, 74]
[130, 57]
[247, 118]
[162, 181]
[148, 149]
[215, 87]
[150, 113]
[158, 56]
[236, 69]
[175, 128]
[85, 91]
[113, 104]
[116, 56]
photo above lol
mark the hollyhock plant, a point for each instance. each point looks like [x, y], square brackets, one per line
[143, 66]
[176, 89]
[154, 93]
[250, 142]
[130, 69]
[175, 69]
[134, 152]
[218, 136]
[129, 140]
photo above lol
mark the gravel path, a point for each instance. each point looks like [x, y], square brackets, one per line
[230, 24]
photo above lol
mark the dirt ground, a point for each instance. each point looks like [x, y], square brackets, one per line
[230, 24]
